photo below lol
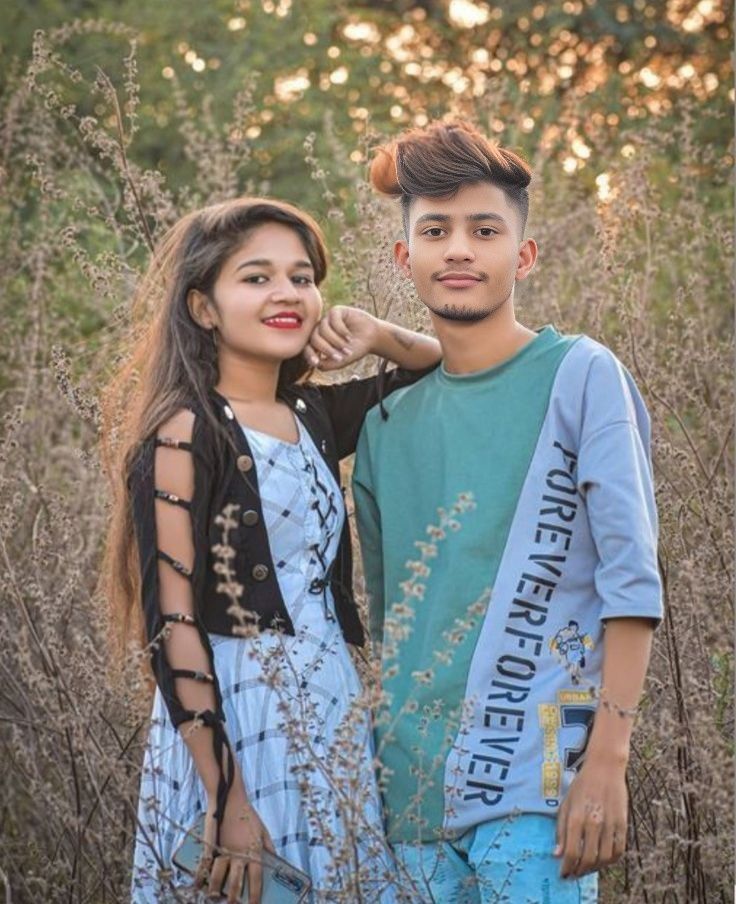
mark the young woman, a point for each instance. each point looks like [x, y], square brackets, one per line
[229, 525]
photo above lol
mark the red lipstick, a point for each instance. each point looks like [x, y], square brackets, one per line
[287, 320]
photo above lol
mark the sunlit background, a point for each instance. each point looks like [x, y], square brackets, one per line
[118, 116]
[571, 80]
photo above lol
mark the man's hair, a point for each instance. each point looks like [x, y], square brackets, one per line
[437, 161]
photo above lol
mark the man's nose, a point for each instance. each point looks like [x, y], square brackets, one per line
[459, 249]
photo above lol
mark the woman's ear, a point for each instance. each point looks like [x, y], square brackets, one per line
[201, 309]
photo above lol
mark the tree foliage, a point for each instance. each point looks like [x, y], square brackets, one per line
[116, 118]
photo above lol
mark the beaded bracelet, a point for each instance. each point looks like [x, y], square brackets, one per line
[614, 707]
[598, 693]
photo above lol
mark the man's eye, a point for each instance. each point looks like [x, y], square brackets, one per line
[434, 232]
[487, 231]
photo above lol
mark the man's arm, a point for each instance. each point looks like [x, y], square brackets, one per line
[591, 824]
[614, 477]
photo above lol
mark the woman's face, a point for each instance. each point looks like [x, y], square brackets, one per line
[266, 301]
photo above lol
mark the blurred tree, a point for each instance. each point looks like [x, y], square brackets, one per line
[558, 79]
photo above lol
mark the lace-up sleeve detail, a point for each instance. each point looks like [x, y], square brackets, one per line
[162, 487]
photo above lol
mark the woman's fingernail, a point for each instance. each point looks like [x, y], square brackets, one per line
[346, 351]
[336, 356]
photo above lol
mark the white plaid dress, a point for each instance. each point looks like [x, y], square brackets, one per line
[305, 753]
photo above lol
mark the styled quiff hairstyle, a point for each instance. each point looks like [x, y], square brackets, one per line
[437, 161]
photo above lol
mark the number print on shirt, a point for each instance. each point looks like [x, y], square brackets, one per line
[574, 709]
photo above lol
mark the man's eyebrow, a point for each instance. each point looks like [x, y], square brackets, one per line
[472, 218]
[437, 217]
[478, 217]
[265, 262]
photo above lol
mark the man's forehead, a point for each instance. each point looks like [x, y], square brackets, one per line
[470, 200]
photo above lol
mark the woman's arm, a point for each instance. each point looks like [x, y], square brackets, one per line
[346, 334]
[191, 664]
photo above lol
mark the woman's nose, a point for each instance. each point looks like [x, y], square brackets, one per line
[285, 290]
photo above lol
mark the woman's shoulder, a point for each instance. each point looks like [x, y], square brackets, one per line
[179, 426]
[189, 427]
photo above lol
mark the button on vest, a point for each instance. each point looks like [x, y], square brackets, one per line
[245, 463]
[260, 572]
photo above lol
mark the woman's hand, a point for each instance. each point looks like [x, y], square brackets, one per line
[346, 334]
[342, 336]
[243, 836]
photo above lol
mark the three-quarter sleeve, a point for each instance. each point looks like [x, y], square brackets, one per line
[163, 483]
[615, 479]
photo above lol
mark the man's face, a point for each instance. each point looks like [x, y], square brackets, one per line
[465, 253]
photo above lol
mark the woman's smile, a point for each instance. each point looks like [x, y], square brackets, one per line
[288, 320]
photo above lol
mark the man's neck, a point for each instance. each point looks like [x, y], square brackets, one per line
[470, 347]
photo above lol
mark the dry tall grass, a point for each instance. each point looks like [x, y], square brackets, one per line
[646, 271]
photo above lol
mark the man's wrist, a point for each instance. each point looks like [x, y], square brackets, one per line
[607, 755]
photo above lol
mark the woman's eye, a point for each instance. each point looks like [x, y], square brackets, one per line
[303, 280]
[256, 279]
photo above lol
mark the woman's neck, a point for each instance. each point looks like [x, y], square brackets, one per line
[247, 379]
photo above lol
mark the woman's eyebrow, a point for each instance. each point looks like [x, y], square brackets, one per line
[265, 262]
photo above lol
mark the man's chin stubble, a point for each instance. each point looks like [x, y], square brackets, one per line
[462, 314]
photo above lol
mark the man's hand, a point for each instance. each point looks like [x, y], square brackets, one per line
[591, 824]
[342, 336]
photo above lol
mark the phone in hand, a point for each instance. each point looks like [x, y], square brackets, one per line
[282, 882]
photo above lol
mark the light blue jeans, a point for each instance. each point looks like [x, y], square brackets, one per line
[504, 861]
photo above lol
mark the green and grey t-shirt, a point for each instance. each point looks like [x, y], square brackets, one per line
[504, 515]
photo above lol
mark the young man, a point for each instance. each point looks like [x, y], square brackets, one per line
[499, 783]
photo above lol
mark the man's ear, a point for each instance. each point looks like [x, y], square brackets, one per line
[201, 309]
[527, 258]
[401, 257]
